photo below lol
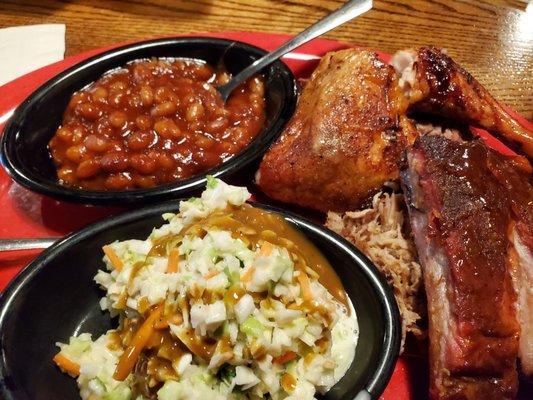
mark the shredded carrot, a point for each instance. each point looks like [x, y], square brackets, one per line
[70, 367]
[196, 344]
[285, 358]
[305, 286]
[161, 323]
[173, 259]
[115, 260]
[131, 354]
[211, 273]
[266, 249]
[248, 274]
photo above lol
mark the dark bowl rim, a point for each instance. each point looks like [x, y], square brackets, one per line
[19, 173]
[390, 347]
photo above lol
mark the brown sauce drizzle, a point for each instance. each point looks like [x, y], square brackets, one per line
[262, 221]
[199, 347]
[288, 383]
[481, 192]
[254, 227]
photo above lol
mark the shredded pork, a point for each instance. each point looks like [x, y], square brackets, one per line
[379, 233]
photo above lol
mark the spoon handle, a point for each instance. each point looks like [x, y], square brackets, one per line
[26, 244]
[348, 11]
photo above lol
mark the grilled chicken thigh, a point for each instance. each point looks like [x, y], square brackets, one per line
[345, 137]
[351, 124]
[436, 84]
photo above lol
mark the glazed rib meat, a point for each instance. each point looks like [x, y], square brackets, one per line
[471, 212]
[345, 137]
[436, 84]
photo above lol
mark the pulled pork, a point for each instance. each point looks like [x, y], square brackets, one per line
[379, 232]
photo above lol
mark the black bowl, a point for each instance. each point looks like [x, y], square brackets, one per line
[34, 122]
[55, 297]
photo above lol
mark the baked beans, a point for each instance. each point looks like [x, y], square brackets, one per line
[153, 122]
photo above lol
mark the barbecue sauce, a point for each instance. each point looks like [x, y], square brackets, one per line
[481, 193]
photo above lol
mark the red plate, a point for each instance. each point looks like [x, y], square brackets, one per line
[27, 214]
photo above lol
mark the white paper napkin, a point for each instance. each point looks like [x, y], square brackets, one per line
[26, 48]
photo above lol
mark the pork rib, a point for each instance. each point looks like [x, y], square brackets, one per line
[468, 205]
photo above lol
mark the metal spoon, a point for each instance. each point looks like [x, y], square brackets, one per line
[26, 244]
[348, 11]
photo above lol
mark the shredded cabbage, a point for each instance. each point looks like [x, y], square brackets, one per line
[245, 298]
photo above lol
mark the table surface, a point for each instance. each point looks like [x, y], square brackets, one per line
[492, 39]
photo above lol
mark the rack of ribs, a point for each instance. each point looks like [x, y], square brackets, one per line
[471, 212]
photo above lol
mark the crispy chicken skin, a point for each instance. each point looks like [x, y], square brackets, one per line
[436, 84]
[345, 138]
[351, 124]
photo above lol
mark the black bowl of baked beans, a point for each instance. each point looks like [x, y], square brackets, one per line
[144, 122]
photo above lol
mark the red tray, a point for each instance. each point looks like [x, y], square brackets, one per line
[27, 214]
